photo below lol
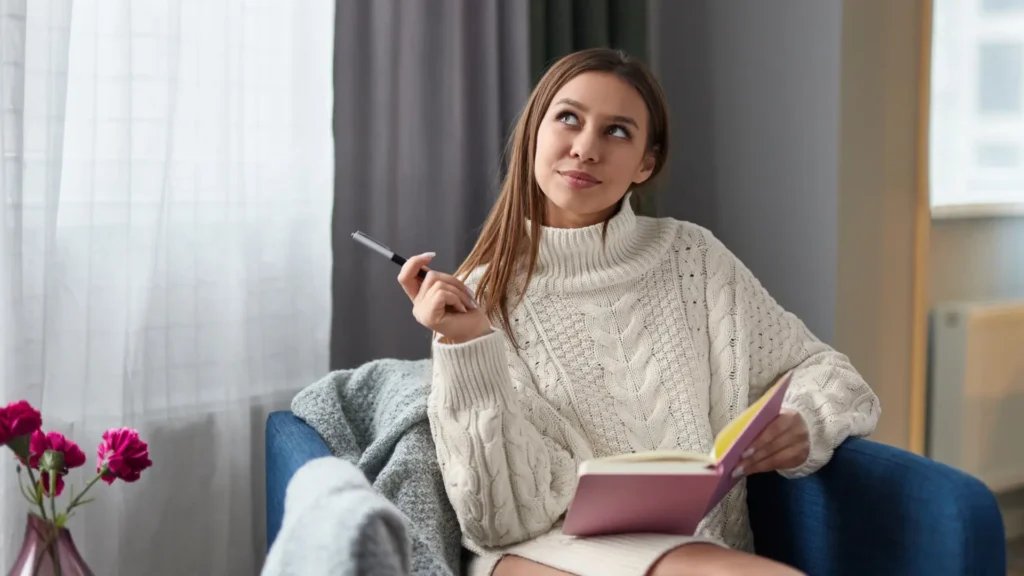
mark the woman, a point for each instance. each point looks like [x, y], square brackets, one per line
[583, 330]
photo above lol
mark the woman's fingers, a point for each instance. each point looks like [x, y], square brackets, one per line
[781, 424]
[408, 276]
[789, 456]
[452, 296]
[790, 435]
[442, 302]
[432, 304]
[783, 444]
[762, 459]
[454, 283]
[772, 431]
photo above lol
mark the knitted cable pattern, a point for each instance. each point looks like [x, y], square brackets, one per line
[654, 338]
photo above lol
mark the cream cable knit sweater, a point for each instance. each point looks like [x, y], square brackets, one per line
[657, 341]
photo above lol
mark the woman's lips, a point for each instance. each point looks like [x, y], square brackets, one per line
[578, 179]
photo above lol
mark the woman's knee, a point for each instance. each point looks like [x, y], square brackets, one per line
[511, 565]
[711, 560]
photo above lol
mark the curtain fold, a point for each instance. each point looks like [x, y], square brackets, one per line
[560, 27]
[164, 256]
[426, 94]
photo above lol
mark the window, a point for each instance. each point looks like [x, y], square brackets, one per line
[997, 6]
[977, 107]
[999, 78]
[998, 156]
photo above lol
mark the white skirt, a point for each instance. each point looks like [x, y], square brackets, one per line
[620, 555]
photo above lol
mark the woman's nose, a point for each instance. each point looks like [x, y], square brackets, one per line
[585, 147]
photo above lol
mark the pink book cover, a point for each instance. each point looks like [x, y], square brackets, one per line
[661, 497]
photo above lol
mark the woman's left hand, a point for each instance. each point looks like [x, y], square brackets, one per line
[783, 444]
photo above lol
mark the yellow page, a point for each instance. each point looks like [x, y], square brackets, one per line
[733, 429]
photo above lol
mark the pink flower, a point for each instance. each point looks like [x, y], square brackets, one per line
[44, 481]
[122, 454]
[18, 419]
[72, 456]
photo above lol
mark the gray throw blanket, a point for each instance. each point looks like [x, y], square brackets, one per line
[374, 419]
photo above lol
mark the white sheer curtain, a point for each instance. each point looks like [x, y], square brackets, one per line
[165, 201]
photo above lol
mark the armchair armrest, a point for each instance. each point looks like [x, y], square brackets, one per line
[290, 444]
[875, 509]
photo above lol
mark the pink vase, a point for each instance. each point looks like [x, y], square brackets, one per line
[40, 548]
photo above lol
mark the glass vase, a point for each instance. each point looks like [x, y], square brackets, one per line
[43, 545]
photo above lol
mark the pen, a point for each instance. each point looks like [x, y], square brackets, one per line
[383, 250]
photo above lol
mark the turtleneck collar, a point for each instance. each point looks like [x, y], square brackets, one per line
[577, 259]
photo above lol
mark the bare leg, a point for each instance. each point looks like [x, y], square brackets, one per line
[512, 565]
[711, 560]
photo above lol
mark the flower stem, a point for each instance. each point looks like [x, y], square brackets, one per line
[53, 495]
[56, 529]
[49, 540]
[78, 499]
[24, 491]
[38, 501]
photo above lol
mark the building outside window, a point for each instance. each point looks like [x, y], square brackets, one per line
[977, 108]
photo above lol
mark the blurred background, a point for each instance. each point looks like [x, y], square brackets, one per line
[179, 180]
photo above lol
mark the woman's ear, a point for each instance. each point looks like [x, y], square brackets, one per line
[646, 168]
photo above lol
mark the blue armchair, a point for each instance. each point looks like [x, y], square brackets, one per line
[873, 510]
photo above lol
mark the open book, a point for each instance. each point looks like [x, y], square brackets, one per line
[666, 491]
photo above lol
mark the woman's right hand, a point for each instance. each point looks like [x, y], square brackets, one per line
[441, 302]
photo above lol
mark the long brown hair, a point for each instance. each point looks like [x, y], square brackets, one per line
[500, 247]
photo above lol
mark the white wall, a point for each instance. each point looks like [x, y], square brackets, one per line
[977, 259]
[754, 102]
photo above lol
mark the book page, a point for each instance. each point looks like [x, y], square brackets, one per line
[640, 467]
[660, 456]
[728, 436]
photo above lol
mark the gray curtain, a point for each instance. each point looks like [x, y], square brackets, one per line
[425, 95]
[560, 27]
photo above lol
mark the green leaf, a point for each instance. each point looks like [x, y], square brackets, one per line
[86, 501]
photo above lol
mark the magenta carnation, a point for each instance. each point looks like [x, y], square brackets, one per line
[123, 454]
[73, 456]
[18, 419]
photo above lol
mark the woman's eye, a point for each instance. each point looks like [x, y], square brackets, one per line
[618, 131]
[568, 118]
[571, 119]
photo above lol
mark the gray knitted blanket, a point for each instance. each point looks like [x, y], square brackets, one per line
[375, 418]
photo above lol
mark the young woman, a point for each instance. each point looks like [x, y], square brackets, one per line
[584, 330]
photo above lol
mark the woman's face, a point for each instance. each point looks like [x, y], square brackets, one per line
[591, 148]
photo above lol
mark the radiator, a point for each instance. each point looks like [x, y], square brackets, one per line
[976, 390]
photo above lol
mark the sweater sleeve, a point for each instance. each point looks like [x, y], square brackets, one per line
[826, 390]
[507, 481]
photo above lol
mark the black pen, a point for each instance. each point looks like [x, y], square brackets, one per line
[383, 250]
